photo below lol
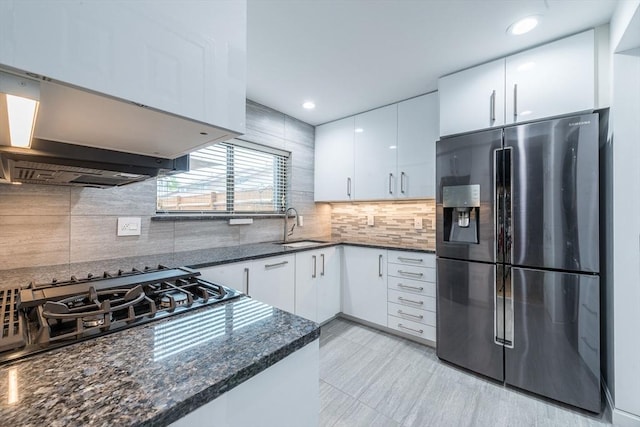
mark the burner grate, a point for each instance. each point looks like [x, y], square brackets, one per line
[12, 333]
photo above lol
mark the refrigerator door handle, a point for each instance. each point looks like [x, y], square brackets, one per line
[508, 309]
[497, 204]
[498, 326]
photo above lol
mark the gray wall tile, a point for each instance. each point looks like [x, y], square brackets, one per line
[34, 200]
[94, 238]
[131, 200]
[192, 235]
[299, 132]
[32, 241]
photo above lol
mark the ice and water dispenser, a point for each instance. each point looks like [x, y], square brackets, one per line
[461, 204]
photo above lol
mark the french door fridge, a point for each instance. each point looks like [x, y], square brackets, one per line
[518, 293]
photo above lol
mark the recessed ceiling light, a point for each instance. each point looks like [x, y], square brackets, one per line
[308, 105]
[358, 130]
[523, 26]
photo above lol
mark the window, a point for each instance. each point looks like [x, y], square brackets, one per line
[234, 177]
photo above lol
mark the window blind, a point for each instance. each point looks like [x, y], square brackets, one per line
[228, 178]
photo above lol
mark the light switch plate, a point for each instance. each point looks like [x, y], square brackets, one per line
[129, 226]
[370, 220]
[417, 223]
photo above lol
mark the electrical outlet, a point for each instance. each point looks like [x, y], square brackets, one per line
[300, 221]
[129, 226]
[417, 223]
[370, 220]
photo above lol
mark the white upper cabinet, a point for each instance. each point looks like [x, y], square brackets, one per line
[551, 80]
[416, 153]
[334, 174]
[184, 58]
[376, 153]
[472, 99]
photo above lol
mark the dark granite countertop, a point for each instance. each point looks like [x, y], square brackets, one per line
[139, 377]
[224, 255]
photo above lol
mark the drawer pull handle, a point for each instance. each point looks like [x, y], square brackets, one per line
[400, 258]
[417, 331]
[402, 313]
[413, 288]
[410, 273]
[278, 264]
[410, 301]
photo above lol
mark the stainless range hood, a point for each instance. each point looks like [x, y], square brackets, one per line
[56, 163]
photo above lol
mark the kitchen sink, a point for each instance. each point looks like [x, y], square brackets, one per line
[302, 244]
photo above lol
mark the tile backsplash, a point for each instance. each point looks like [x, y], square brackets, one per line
[393, 223]
[54, 225]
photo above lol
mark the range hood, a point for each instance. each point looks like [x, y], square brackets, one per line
[78, 116]
[56, 163]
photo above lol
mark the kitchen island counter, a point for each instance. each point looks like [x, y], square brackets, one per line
[153, 374]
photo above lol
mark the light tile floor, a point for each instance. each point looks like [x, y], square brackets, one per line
[370, 378]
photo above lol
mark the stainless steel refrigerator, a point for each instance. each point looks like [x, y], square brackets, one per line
[518, 293]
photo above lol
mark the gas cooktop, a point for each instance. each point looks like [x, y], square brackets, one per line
[42, 317]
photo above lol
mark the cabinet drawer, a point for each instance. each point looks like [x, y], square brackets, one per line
[407, 299]
[412, 328]
[413, 286]
[424, 274]
[413, 314]
[417, 259]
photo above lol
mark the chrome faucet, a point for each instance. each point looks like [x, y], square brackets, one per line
[288, 232]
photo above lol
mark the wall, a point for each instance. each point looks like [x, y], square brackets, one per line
[51, 225]
[622, 236]
[393, 223]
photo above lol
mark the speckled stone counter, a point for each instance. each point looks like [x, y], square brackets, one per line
[195, 259]
[150, 375]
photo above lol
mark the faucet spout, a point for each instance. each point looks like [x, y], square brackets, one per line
[288, 232]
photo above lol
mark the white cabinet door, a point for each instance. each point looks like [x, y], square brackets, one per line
[417, 135]
[318, 284]
[472, 99]
[334, 179]
[233, 275]
[553, 79]
[272, 281]
[364, 292]
[376, 153]
[307, 273]
[186, 58]
[329, 286]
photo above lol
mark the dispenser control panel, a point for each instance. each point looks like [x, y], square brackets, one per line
[461, 196]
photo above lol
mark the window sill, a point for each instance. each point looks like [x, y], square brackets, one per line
[210, 217]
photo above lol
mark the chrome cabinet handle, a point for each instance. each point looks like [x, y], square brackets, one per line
[379, 265]
[410, 273]
[313, 258]
[349, 186]
[417, 331]
[402, 313]
[246, 278]
[410, 301]
[515, 102]
[390, 183]
[322, 258]
[403, 259]
[402, 175]
[492, 107]
[413, 288]
[278, 264]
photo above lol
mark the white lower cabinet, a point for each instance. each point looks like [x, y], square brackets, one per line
[364, 286]
[317, 295]
[411, 303]
[233, 275]
[272, 281]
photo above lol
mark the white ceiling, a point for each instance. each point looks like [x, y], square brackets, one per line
[350, 56]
